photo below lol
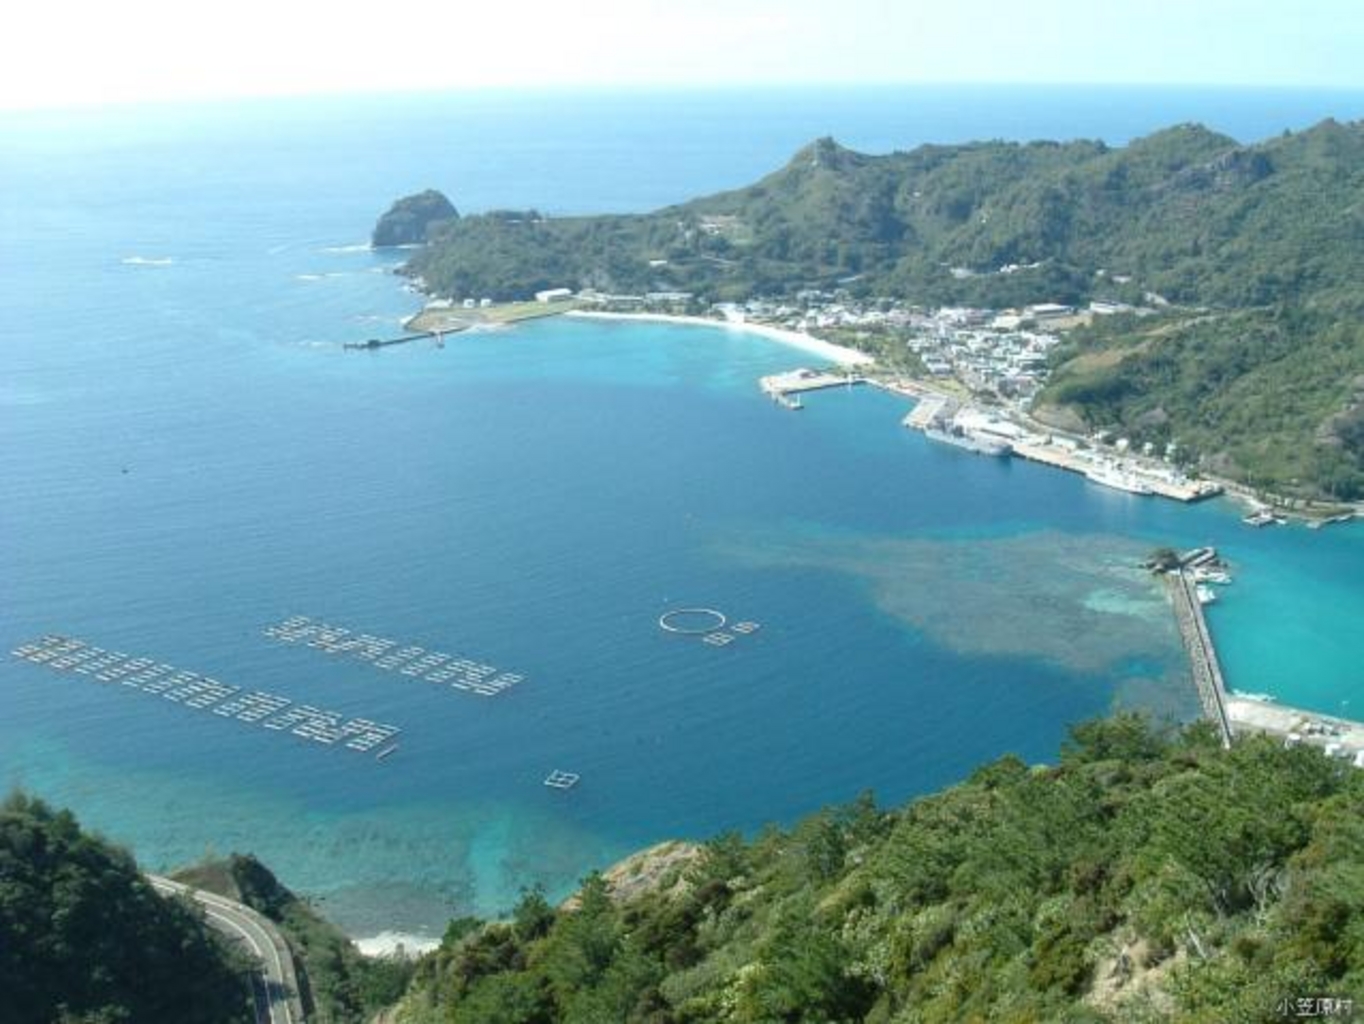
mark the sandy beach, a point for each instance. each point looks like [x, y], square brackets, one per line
[827, 350]
[395, 943]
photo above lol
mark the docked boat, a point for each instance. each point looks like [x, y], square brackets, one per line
[1205, 594]
[1117, 478]
[977, 443]
[1263, 517]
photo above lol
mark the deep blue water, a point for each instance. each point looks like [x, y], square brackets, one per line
[177, 283]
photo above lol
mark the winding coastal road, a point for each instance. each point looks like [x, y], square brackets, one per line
[276, 986]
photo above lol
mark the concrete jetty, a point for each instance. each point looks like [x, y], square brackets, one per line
[1338, 737]
[929, 409]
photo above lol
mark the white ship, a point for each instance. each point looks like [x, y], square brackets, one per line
[1118, 478]
[972, 442]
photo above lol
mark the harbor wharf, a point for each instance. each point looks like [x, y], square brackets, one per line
[1207, 672]
[1234, 713]
[1062, 457]
[1338, 737]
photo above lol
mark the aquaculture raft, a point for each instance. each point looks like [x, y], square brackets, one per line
[201, 693]
[711, 628]
[561, 780]
[392, 656]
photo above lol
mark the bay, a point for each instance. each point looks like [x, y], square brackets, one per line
[191, 456]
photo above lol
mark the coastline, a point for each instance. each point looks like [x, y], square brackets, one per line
[395, 944]
[1306, 512]
[839, 354]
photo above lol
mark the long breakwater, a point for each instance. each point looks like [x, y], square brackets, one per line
[1207, 672]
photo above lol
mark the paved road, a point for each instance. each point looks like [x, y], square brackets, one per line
[276, 987]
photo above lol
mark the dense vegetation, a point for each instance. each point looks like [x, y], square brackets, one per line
[1268, 237]
[1146, 877]
[84, 938]
[1186, 212]
[339, 985]
[1272, 396]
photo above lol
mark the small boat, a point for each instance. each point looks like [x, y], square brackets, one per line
[1205, 594]
[1263, 517]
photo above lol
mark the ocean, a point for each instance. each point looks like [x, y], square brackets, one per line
[190, 456]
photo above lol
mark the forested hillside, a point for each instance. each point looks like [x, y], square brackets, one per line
[84, 938]
[1186, 212]
[1258, 250]
[1145, 877]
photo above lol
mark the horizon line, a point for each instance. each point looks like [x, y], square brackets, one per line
[655, 88]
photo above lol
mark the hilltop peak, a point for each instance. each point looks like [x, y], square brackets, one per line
[826, 154]
[410, 219]
[1190, 140]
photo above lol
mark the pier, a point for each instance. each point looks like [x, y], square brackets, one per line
[391, 655]
[1207, 672]
[378, 343]
[781, 386]
[200, 693]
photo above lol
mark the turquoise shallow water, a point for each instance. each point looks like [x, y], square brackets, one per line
[533, 498]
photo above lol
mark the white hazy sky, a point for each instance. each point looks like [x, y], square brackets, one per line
[56, 53]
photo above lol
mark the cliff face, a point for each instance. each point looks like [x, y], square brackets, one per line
[408, 220]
